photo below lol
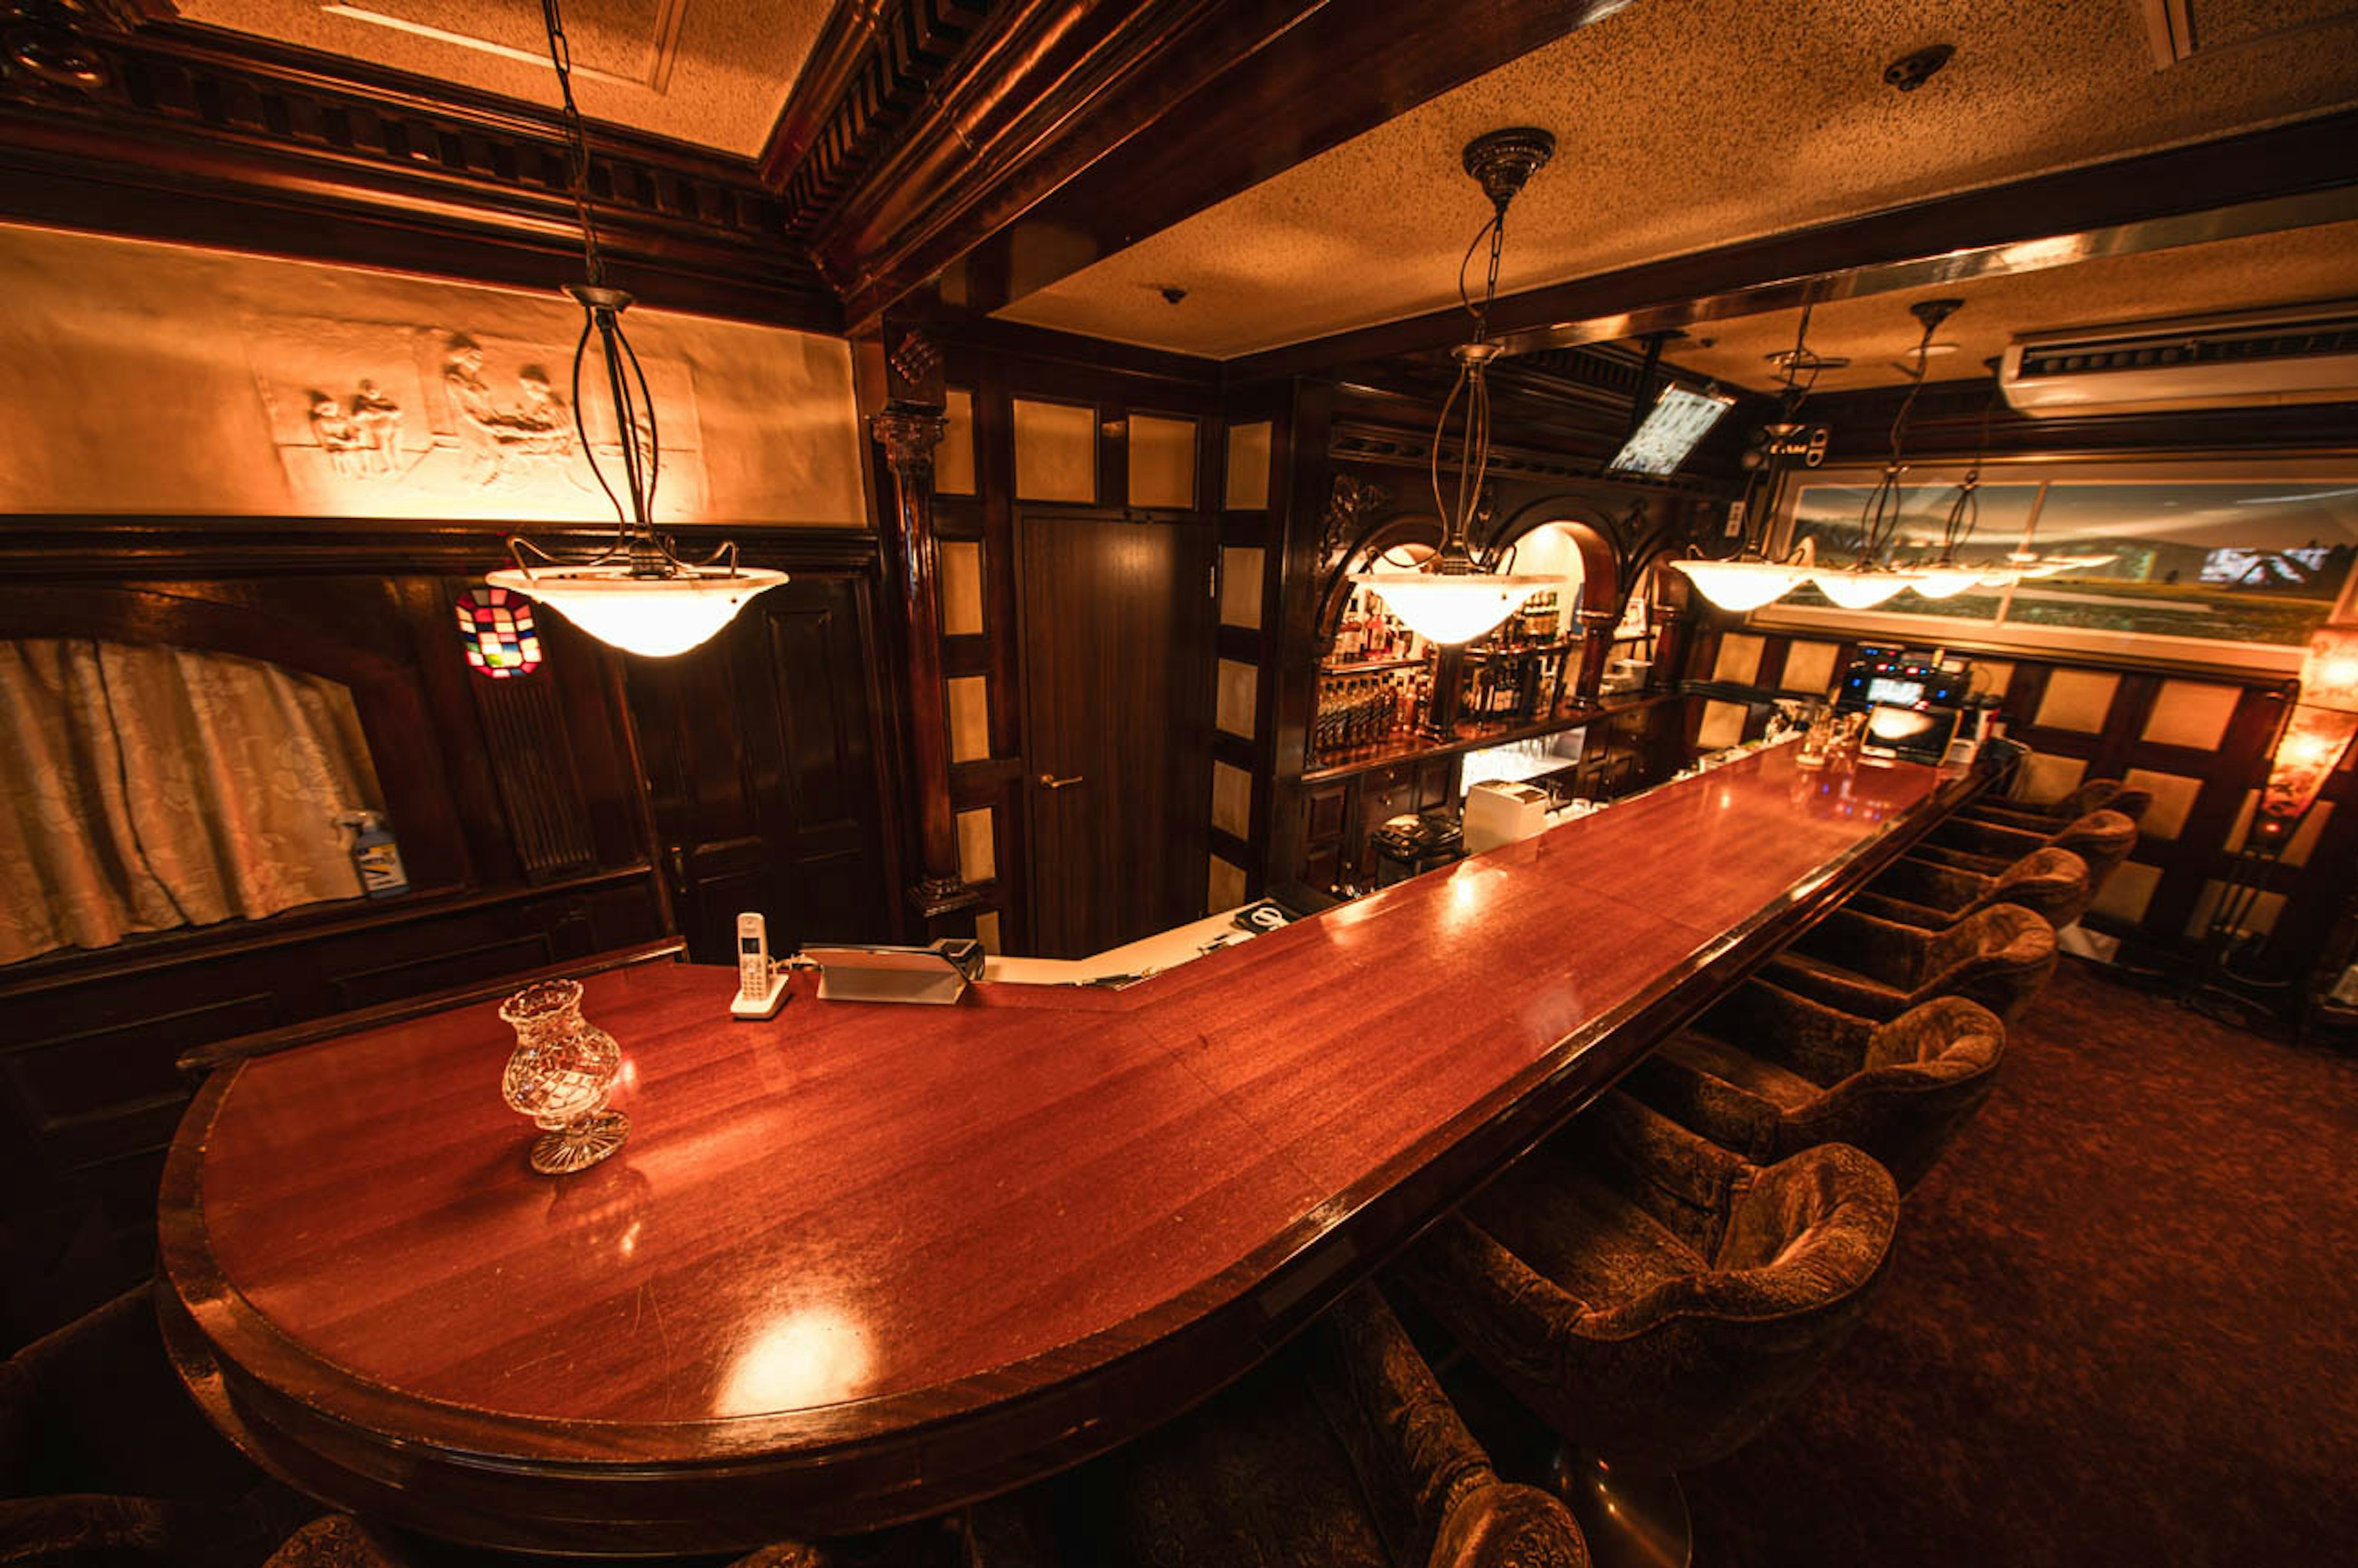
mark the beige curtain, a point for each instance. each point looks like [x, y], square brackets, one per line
[148, 787]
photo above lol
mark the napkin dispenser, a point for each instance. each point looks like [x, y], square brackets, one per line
[937, 974]
[1500, 814]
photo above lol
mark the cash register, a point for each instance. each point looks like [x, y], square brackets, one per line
[1913, 699]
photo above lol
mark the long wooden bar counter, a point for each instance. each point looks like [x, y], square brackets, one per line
[862, 1262]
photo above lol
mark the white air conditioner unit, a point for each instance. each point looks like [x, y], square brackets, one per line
[2253, 359]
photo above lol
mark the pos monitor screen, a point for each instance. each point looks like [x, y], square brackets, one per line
[1681, 417]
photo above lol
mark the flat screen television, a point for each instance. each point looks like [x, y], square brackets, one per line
[1680, 418]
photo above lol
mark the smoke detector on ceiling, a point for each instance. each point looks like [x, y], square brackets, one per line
[1911, 71]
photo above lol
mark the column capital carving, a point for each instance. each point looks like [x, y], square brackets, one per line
[908, 432]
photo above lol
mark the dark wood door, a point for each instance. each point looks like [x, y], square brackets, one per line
[763, 757]
[1117, 659]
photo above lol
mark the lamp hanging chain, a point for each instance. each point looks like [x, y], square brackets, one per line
[576, 136]
[1473, 386]
[1760, 485]
[636, 433]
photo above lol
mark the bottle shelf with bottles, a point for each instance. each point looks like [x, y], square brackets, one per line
[1516, 675]
[1375, 688]
[1375, 691]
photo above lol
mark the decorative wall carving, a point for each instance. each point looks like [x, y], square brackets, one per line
[372, 420]
[1348, 503]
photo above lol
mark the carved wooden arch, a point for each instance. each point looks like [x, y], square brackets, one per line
[1603, 570]
[387, 690]
[1407, 527]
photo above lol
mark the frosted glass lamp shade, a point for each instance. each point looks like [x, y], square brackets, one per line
[1945, 581]
[654, 616]
[1861, 591]
[2329, 675]
[1740, 585]
[2306, 753]
[1453, 607]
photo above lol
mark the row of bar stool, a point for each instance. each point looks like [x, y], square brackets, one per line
[1661, 1278]
[1655, 1283]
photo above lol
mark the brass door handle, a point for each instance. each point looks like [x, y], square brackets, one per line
[1050, 781]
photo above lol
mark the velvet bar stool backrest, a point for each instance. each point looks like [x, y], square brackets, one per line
[105, 1459]
[1923, 1077]
[2101, 839]
[96, 1407]
[2053, 884]
[1670, 1370]
[2001, 958]
[1769, 1073]
[2096, 795]
[1342, 1449]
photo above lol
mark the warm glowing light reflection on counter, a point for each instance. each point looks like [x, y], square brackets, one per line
[812, 1355]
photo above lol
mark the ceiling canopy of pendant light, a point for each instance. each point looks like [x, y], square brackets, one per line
[1458, 597]
[637, 594]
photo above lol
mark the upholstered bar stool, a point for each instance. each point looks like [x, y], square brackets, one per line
[1656, 1300]
[2101, 839]
[2001, 958]
[1768, 1074]
[104, 1459]
[2096, 795]
[1341, 1453]
[2053, 884]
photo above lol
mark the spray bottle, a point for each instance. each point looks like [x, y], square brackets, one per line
[375, 854]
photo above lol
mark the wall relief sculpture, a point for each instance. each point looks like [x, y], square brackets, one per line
[374, 420]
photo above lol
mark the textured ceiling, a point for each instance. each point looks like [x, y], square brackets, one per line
[710, 71]
[1685, 125]
[1879, 336]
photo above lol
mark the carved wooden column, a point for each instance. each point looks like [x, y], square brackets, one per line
[1674, 613]
[909, 432]
[1595, 652]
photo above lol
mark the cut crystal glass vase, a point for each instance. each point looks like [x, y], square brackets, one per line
[563, 1068]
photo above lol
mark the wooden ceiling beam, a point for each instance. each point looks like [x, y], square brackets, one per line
[2287, 176]
[198, 136]
[1064, 130]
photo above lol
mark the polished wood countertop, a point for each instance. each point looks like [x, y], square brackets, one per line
[859, 1263]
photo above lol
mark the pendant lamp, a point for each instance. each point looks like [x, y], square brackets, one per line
[1875, 579]
[1947, 576]
[1457, 598]
[637, 594]
[1749, 579]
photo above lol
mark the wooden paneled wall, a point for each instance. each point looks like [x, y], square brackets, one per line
[2195, 736]
[520, 807]
[1081, 406]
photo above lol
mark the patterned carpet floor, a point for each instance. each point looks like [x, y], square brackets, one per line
[2121, 1328]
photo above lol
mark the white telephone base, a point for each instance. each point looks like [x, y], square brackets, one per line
[764, 1007]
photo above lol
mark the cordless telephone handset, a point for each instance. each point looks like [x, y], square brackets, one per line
[760, 992]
